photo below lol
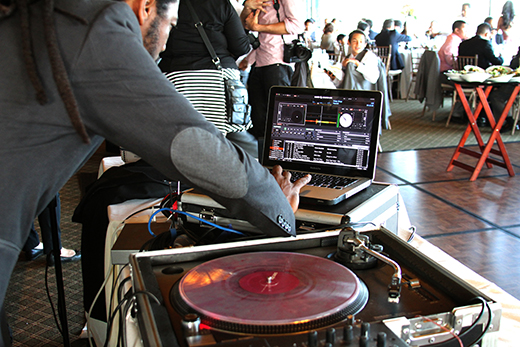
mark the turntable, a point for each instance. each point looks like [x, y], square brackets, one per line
[338, 288]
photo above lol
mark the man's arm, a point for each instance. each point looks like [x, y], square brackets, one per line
[124, 97]
[490, 55]
[251, 23]
[403, 38]
[250, 6]
[290, 19]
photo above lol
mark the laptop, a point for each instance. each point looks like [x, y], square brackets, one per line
[331, 134]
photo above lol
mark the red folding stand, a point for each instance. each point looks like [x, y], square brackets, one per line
[483, 92]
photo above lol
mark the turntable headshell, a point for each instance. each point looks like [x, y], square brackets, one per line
[355, 251]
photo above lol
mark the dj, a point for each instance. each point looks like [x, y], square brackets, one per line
[75, 72]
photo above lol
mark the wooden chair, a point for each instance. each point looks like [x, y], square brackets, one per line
[385, 54]
[459, 62]
[416, 59]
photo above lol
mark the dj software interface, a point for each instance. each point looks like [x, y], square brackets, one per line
[322, 130]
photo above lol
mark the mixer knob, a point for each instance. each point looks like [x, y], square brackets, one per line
[312, 339]
[365, 330]
[348, 334]
[381, 339]
[363, 341]
[331, 336]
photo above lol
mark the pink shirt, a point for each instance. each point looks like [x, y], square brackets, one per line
[271, 45]
[449, 49]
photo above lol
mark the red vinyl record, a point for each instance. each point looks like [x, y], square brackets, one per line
[271, 288]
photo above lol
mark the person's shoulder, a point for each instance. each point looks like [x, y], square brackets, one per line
[88, 10]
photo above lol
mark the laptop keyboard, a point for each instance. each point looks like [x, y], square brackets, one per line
[324, 180]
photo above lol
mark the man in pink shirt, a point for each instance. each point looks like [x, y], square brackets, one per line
[450, 48]
[269, 68]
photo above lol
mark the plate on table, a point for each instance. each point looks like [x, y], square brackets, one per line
[499, 74]
[500, 79]
[499, 70]
[455, 76]
[515, 78]
[477, 77]
[474, 68]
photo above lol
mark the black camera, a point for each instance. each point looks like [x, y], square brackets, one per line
[253, 40]
[296, 52]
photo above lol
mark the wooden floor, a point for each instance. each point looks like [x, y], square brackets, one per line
[478, 223]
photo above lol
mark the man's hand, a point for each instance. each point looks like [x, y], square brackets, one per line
[257, 4]
[251, 21]
[252, 8]
[291, 190]
[350, 60]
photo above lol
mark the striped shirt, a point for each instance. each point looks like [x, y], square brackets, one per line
[205, 90]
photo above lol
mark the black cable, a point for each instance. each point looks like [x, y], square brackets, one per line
[114, 287]
[54, 315]
[455, 341]
[120, 295]
[485, 306]
[128, 297]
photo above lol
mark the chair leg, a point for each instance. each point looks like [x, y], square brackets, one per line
[388, 125]
[516, 113]
[389, 84]
[433, 116]
[453, 102]
[424, 109]
[409, 89]
[397, 81]
[379, 148]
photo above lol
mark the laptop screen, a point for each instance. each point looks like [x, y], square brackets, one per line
[332, 131]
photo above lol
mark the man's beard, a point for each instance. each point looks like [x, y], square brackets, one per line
[151, 39]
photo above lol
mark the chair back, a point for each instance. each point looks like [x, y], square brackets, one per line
[460, 61]
[384, 53]
[416, 55]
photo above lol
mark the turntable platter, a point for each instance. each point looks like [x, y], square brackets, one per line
[270, 292]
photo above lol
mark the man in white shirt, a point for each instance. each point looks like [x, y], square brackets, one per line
[450, 47]
[365, 61]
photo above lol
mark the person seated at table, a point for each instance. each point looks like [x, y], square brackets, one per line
[365, 62]
[450, 48]
[389, 36]
[327, 40]
[340, 51]
[480, 45]
[432, 31]
[363, 70]
[515, 62]
[371, 33]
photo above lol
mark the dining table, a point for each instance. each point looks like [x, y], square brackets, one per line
[485, 149]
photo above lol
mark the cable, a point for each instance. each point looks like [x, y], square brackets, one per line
[50, 299]
[152, 217]
[110, 321]
[474, 325]
[485, 306]
[192, 216]
[109, 273]
[413, 229]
